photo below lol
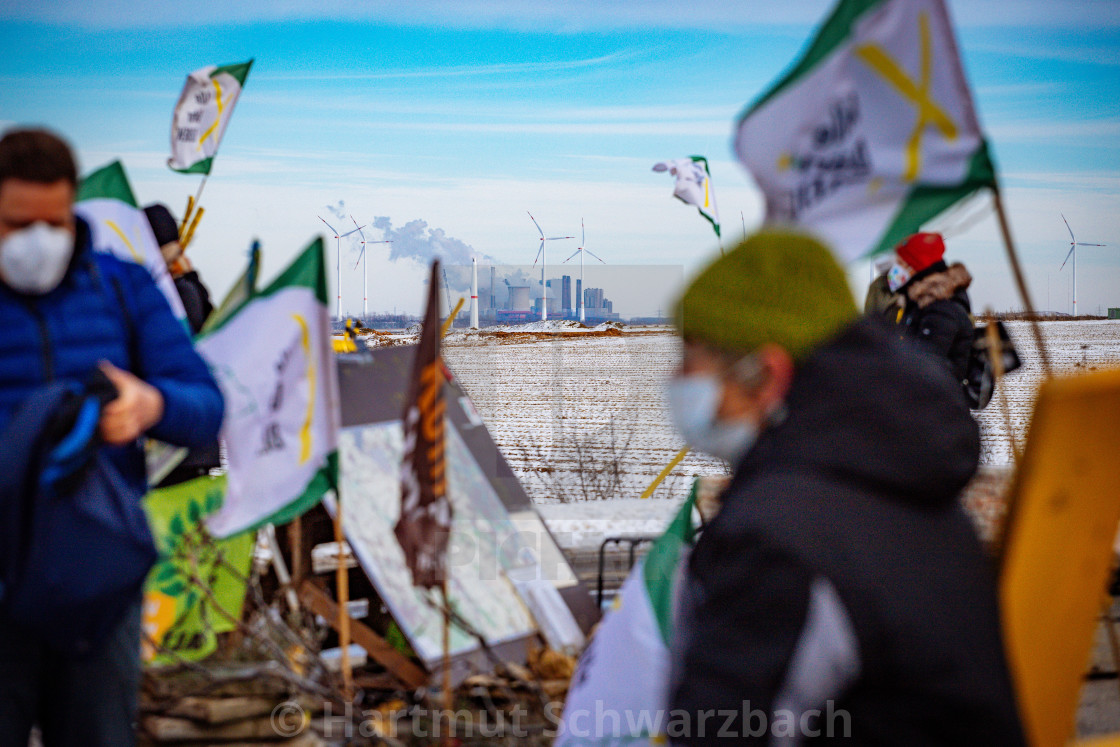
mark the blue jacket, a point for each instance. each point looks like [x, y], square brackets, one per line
[62, 335]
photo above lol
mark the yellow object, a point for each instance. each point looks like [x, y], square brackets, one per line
[186, 217]
[665, 472]
[1058, 548]
[186, 240]
[343, 344]
[447, 323]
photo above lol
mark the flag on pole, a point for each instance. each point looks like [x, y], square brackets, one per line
[106, 201]
[872, 132]
[272, 359]
[202, 114]
[243, 288]
[424, 527]
[694, 185]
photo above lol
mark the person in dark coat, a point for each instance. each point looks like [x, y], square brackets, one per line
[841, 592]
[196, 302]
[194, 295]
[938, 312]
[66, 311]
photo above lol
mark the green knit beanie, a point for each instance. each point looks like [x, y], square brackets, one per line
[774, 287]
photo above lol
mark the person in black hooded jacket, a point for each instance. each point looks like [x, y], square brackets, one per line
[841, 593]
[938, 312]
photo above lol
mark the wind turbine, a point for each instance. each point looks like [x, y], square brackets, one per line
[1073, 244]
[337, 261]
[541, 257]
[581, 251]
[361, 258]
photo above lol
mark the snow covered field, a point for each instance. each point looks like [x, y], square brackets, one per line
[582, 420]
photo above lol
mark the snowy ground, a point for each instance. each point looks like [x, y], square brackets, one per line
[582, 420]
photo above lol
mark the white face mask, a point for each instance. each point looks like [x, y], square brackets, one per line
[33, 260]
[693, 404]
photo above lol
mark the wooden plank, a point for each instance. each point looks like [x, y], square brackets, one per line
[396, 663]
[219, 710]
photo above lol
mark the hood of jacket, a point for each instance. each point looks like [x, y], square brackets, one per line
[939, 286]
[863, 409]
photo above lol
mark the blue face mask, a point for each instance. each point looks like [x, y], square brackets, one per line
[693, 404]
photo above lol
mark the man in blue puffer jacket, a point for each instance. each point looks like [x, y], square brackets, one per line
[65, 311]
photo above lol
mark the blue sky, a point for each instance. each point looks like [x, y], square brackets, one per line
[466, 114]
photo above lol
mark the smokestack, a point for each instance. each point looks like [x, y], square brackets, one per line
[474, 293]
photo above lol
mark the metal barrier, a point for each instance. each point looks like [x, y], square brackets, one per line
[634, 541]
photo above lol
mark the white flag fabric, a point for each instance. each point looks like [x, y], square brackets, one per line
[693, 185]
[106, 201]
[873, 131]
[272, 359]
[202, 114]
[607, 704]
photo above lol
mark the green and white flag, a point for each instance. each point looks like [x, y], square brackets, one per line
[106, 201]
[240, 292]
[872, 132]
[634, 636]
[202, 114]
[693, 185]
[272, 359]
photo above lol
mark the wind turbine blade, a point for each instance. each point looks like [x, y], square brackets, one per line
[1082, 243]
[358, 228]
[1072, 247]
[539, 253]
[1067, 227]
[538, 225]
[577, 251]
[360, 255]
[582, 233]
[328, 226]
[593, 255]
[554, 238]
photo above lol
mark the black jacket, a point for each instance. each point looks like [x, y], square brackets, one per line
[842, 575]
[937, 314]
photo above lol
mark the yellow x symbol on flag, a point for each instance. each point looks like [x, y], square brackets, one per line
[217, 120]
[929, 112]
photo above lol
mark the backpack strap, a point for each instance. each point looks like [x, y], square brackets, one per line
[105, 269]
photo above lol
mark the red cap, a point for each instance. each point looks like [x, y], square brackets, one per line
[921, 250]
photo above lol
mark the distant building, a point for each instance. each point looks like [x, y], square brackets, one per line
[566, 294]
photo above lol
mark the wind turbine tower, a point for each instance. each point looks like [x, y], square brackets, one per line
[581, 251]
[1073, 244]
[474, 292]
[337, 262]
[541, 257]
[365, 274]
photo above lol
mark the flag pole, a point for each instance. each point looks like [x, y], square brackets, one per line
[342, 582]
[447, 703]
[1005, 230]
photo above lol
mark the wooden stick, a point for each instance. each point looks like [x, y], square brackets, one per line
[186, 240]
[665, 472]
[1005, 229]
[447, 702]
[447, 324]
[397, 664]
[342, 581]
[295, 546]
[186, 217]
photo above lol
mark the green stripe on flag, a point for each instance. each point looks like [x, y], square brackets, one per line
[661, 564]
[238, 72]
[834, 32]
[308, 270]
[198, 167]
[925, 202]
[325, 479]
[107, 182]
